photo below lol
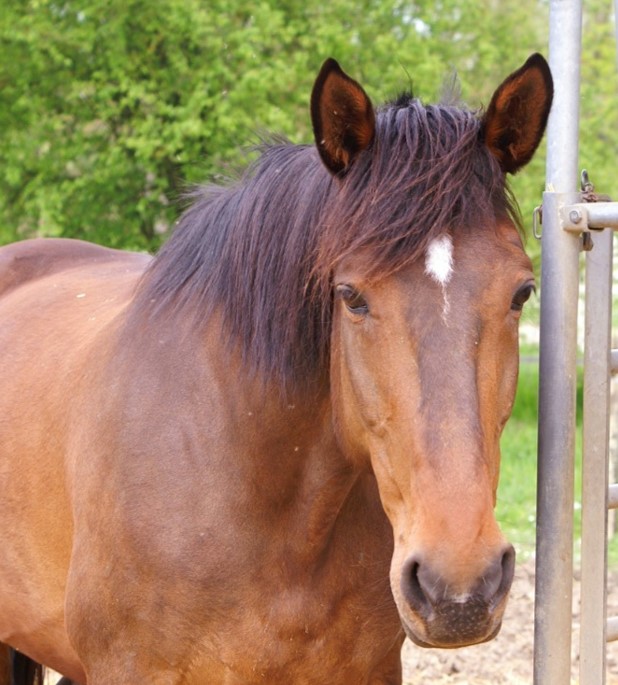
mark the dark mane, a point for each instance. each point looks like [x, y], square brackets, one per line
[262, 250]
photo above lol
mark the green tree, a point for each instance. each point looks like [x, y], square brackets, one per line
[110, 108]
[599, 97]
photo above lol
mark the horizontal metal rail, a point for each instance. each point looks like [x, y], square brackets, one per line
[587, 216]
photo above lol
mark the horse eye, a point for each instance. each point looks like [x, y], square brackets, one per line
[352, 299]
[522, 296]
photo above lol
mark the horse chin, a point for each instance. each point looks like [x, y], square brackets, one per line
[450, 643]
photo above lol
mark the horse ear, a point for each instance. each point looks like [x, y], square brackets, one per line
[342, 116]
[516, 117]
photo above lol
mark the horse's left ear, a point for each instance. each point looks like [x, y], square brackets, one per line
[342, 116]
[515, 120]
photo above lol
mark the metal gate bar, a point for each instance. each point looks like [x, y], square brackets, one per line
[595, 460]
[558, 346]
[566, 218]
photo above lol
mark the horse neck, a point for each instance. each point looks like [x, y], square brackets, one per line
[287, 443]
[297, 450]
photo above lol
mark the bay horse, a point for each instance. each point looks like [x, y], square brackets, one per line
[272, 451]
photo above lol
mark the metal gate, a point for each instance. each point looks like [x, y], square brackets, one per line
[571, 224]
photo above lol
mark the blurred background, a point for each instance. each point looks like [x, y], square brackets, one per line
[109, 108]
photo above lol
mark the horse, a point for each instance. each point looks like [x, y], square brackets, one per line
[271, 452]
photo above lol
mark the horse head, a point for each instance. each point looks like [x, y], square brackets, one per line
[423, 252]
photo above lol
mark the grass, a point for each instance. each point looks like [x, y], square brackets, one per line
[516, 508]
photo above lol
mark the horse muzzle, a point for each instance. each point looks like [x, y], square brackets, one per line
[434, 616]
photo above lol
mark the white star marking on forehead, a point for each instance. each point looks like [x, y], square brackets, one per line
[439, 260]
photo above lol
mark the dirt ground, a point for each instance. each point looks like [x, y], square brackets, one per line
[507, 660]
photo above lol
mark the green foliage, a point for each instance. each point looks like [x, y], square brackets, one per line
[599, 86]
[516, 508]
[109, 108]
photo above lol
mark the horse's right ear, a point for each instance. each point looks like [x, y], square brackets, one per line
[342, 116]
[516, 117]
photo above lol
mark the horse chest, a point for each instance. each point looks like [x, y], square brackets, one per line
[332, 621]
[306, 638]
[244, 597]
[261, 625]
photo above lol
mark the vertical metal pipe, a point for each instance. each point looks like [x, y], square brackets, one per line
[595, 461]
[558, 349]
[565, 29]
[557, 387]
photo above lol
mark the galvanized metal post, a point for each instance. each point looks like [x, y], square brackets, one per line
[597, 371]
[558, 348]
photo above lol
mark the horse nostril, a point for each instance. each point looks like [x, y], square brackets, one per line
[497, 580]
[414, 586]
[426, 591]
